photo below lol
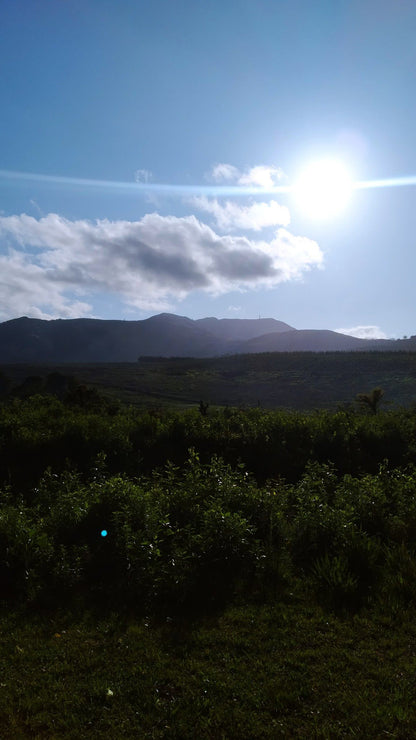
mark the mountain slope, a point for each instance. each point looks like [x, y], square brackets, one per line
[95, 340]
[27, 340]
[305, 340]
[242, 329]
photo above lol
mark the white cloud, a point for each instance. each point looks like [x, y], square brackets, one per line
[142, 176]
[254, 217]
[146, 263]
[264, 176]
[364, 332]
[227, 172]
[26, 289]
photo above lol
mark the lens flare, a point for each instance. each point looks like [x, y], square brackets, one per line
[180, 191]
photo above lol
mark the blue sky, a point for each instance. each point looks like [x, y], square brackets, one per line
[101, 100]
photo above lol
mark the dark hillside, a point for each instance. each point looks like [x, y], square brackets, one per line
[167, 335]
[306, 340]
[242, 329]
[96, 340]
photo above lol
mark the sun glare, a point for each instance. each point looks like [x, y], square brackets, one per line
[323, 189]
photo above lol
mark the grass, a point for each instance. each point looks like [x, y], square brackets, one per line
[300, 380]
[289, 670]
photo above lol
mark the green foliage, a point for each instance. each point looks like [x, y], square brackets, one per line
[177, 540]
[348, 580]
[203, 408]
[192, 538]
[317, 526]
[288, 380]
[294, 517]
[200, 510]
[398, 589]
[371, 400]
[334, 581]
[25, 553]
[46, 432]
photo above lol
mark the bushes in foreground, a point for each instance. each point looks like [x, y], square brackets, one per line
[43, 432]
[189, 539]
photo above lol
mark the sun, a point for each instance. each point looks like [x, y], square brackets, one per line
[323, 189]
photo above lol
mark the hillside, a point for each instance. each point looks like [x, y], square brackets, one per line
[306, 340]
[26, 340]
[295, 380]
[242, 329]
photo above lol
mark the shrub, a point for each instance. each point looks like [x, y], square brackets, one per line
[398, 588]
[26, 553]
[333, 581]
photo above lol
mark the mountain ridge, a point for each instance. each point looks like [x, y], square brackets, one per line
[24, 339]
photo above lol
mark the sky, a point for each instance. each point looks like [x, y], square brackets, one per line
[150, 152]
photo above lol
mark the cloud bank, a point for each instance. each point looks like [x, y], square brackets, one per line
[54, 266]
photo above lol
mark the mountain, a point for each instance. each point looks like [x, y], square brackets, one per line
[96, 340]
[26, 340]
[242, 329]
[305, 340]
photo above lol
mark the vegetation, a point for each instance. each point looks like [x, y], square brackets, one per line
[371, 400]
[292, 380]
[209, 572]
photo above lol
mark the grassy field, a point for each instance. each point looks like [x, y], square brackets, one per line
[277, 380]
[290, 670]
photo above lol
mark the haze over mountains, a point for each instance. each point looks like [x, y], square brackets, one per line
[167, 335]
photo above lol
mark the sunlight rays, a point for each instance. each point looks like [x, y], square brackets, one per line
[390, 182]
[144, 187]
[184, 190]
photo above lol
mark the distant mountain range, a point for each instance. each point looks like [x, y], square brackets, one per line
[27, 340]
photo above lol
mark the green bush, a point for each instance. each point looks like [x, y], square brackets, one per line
[197, 509]
[26, 552]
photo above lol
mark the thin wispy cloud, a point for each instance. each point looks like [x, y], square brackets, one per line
[35, 206]
[142, 176]
[54, 266]
[234, 309]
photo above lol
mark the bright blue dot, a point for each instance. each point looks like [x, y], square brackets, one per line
[103, 533]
